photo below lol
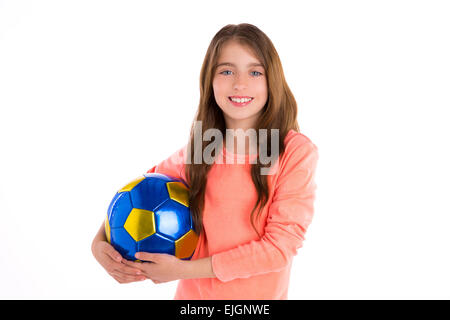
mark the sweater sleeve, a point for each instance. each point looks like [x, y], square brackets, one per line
[289, 216]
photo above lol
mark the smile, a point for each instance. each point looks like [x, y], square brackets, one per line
[240, 101]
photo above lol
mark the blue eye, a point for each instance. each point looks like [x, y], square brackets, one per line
[258, 73]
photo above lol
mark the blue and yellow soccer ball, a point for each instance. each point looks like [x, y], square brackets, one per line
[151, 214]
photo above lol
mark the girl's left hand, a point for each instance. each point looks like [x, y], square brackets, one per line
[158, 267]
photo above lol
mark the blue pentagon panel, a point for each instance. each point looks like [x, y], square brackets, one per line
[157, 244]
[172, 219]
[153, 186]
[123, 243]
[119, 209]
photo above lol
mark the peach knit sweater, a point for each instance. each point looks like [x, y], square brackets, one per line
[248, 267]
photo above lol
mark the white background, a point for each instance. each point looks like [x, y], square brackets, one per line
[94, 93]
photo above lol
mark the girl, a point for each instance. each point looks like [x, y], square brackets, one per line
[250, 225]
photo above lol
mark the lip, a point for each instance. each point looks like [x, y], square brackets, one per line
[237, 104]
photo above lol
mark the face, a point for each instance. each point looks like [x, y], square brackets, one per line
[240, 75]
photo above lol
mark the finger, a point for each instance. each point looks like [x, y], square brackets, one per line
[125, 278]
[112, 266]
[135, 264]
[132, 264]
[121, 278]
[112, 253]
[145, 256]
[131, 270]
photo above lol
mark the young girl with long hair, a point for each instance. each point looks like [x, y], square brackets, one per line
[250, 224]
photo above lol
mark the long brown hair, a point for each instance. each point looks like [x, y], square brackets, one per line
[279, 112]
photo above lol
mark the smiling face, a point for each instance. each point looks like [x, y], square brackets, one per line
[240, 75]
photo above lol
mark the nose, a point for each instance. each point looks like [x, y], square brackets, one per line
[239, 83]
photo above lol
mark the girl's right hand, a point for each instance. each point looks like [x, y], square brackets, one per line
[113, 263]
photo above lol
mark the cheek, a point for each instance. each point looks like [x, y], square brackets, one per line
[262, 90]
[220, 92]
[263, 86]
[218, 87]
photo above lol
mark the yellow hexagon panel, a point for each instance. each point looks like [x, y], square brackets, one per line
[185, 246]
[178, 192]
[132, 184]
[140, 224]
[107, 230]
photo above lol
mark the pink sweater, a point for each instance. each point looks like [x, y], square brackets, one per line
[248, 267]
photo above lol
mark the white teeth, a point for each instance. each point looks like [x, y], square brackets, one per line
[241, 100]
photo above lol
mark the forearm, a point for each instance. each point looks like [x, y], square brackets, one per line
[200, 268]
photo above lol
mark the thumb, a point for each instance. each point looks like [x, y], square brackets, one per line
[145, 256]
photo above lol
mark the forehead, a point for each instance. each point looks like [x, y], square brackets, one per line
[234, 54]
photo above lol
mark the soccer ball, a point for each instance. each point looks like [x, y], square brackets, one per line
[151, 214]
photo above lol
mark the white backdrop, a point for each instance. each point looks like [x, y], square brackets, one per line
[94, 93]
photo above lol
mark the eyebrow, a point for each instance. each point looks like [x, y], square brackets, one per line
[254, 64]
